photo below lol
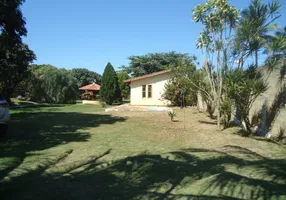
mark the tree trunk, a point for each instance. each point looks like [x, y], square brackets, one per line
[219, 88]
[256, 58]
[241, 61]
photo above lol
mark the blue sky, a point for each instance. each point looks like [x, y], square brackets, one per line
[90, 33]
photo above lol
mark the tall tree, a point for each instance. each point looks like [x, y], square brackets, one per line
[124, 87]
[14, 64]
[243, 87]
[12, 22]
[110, 90]
[257, 21]
[50, 84]
[85, 76]
[218, 18]
[15, 56]
[276, 50]
[154, 62]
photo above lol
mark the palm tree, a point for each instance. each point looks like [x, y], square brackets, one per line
[276, 49]
[253, 29]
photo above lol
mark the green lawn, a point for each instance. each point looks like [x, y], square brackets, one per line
[81, 152]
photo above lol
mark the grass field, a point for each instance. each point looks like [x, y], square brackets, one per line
[81, 152]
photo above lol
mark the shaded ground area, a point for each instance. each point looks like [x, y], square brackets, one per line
[61, 153]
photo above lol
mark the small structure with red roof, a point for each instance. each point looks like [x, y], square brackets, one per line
[91, 91]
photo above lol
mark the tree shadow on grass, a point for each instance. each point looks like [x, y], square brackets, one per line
[184, 174]
[43, 130]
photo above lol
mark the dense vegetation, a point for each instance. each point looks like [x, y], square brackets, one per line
[154, 62]
[230, 36]
[124, 87]
[15, 56]
[46, 83]
[85, 76]
[110, 90]
[179, 90]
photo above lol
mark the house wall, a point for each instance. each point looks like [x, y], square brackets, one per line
[158, 84]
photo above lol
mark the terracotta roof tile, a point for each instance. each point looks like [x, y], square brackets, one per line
[92, 86]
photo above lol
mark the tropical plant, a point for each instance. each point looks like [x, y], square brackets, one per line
[276, 50]
[110, 90]
[243, 87]
[218, 18]
[252, 35]
[172, 114]
[226, 111]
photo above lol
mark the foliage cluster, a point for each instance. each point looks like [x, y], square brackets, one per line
[110, 91]
[15, 56]
[231, 37]
[154, 62]
[124, 87]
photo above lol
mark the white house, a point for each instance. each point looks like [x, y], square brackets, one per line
[148, 89]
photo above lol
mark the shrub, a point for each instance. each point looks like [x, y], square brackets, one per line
[103, 104]
[179, 94]
[124, 87]
[243, 87]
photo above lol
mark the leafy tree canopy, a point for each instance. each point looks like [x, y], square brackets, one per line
[15, 56]
[50, 84]
[154, 62]
[85, 76]
[12, 21]
[124, 87]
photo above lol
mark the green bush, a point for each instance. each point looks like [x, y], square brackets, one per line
[179, 94]
[124, 87]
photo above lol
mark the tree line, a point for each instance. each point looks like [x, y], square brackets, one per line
[46, 83]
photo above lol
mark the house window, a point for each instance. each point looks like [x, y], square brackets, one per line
[149, 91]
[143, 91]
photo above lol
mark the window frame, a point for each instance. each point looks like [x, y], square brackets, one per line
[144, 91]
[150, 91]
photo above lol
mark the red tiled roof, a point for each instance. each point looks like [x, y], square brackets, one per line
[147, 76]
[92, 86]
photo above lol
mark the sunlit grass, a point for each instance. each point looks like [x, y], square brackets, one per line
[81, 152]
